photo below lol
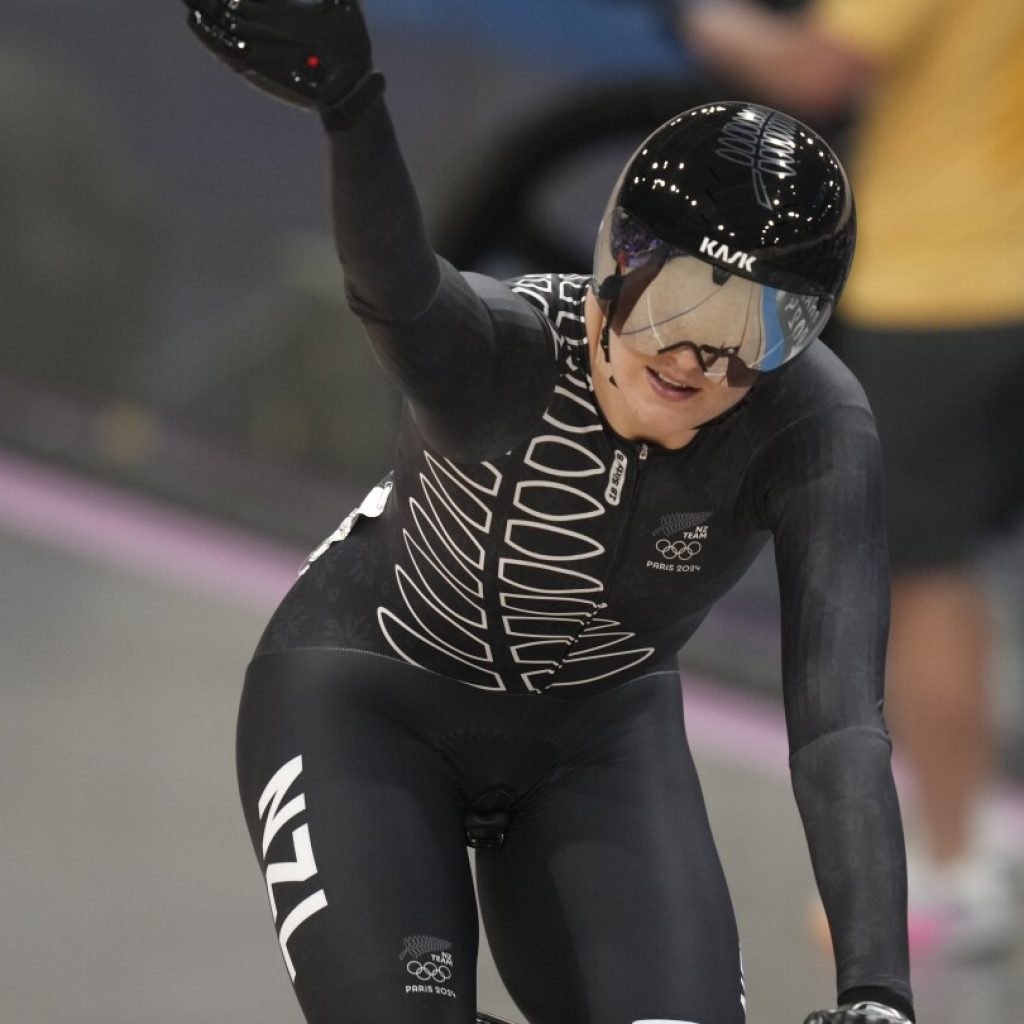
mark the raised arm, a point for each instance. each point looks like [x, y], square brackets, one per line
[474, 359]
[824, 503]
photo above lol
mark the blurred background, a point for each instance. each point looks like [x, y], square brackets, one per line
[187, 406]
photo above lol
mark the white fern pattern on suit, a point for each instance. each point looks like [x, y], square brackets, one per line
[545, 577]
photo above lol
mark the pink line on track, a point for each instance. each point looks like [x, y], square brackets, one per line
[738, 727]
[144, 537]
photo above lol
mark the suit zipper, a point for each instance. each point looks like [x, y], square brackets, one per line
[643, 450]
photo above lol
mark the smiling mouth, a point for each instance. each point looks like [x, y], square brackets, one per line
[660, 379]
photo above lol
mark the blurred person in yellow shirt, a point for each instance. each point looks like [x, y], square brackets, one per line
[932, 322]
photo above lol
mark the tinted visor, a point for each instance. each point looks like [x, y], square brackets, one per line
[658, 298]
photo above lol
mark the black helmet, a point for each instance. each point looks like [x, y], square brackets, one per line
[730, 230]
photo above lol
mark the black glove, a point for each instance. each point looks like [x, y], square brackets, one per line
[311, 53]
[859, 1013]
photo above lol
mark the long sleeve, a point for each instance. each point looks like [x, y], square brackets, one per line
[824, 501]
[474, 360]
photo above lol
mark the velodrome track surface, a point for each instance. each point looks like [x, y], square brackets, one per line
[129, 893]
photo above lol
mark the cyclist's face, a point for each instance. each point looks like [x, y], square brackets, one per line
[662, 398]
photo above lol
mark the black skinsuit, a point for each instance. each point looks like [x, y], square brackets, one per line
[523, 548]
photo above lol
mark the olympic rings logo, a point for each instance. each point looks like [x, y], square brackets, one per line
[428, 971]
[683, 550]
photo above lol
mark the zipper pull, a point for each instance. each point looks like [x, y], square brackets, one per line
[642, 454]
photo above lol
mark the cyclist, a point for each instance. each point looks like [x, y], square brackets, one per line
[484, 651]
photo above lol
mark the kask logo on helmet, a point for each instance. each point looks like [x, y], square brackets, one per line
[721, 252]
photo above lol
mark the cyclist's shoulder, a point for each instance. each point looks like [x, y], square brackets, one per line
[560, 299]
[826, 377]
[555, 295]
[816, 388]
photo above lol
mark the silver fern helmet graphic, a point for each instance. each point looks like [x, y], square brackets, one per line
[418, 946]
[677, 522]
[765, 141]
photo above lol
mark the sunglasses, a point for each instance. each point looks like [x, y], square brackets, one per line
[618, 296]
[660, 298]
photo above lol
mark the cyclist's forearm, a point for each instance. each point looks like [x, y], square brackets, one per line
[473, 357]
[847, 800]
[391, 271]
